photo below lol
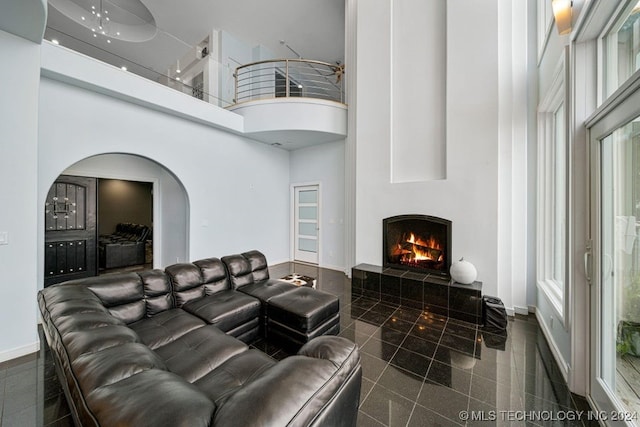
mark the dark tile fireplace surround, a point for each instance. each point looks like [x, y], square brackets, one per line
[429, 289]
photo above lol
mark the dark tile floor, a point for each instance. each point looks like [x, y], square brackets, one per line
[418, 369]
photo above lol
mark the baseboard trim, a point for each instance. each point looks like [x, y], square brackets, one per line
[521, 310]
[333, 267]
[562, 364]
[14, 353]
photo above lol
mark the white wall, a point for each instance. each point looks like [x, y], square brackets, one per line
[324, 164]
[469, 195]
[237, 188]
[18, 190]
[171, 205]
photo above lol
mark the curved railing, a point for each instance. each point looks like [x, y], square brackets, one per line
[289, 78]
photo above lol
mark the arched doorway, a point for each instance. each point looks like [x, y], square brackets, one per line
[168, 230]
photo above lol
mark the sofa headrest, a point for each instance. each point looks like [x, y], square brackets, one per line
[203, 277]
[157, 290]
[259, 267]
[239, 269]
[122, 294]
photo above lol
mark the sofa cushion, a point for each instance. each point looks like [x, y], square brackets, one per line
[226, 309]
[89, 341]
[114, 364]
[151, 398]
[264, 290]
[157, 291]
[214, 275]
[239, 269]
[194, 281]
[133, 296]
[199, 352]
[186, 280]
[258, 262]
[234, 374]
[165, 327]
[84, 321]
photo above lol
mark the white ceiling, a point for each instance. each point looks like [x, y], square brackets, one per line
[313, 28]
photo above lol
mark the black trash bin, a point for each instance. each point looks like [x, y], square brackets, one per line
[494, 315]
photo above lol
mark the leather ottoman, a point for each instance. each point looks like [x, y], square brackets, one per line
[304, 313]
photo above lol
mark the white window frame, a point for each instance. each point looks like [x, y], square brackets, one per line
[557, 291]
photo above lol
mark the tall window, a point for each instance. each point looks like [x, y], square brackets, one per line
[552, 201]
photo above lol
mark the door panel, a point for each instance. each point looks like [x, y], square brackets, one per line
[306, 223]
[615, 296]
[70, 229]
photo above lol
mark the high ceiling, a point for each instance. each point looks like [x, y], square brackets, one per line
[312, 28]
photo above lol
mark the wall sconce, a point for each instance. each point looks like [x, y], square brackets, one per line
[562, 15]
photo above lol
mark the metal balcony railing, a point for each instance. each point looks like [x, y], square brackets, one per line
[289, 78]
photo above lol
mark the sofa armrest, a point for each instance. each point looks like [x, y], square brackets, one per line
[337, 350]
[322, 382]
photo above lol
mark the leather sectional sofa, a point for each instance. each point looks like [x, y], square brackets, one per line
[170, 348]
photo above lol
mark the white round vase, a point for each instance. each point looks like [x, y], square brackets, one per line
[463, 272]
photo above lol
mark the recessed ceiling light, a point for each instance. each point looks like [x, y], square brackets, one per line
[55, 41]
[108, 41]
[299, 86]
[95, 35]
[178, 78]
[82, 17]
[123, 68]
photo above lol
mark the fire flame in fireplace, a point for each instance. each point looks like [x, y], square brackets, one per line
[415, 249]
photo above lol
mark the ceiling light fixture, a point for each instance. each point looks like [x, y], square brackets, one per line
[55, 41]
[101, 22]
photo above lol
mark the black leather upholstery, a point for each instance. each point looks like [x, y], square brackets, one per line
[297, 317]
[249, 274]
[150, 349]
[204, 290]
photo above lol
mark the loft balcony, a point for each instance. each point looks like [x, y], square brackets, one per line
[291, 102]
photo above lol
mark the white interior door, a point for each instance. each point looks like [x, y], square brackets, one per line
[306, 223]
[615, 294]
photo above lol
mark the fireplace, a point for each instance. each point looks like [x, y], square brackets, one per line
[417, 242]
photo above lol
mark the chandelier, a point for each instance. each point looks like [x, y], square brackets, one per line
[125, 20]
[101, 22]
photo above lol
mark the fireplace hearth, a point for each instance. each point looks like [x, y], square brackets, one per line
[416, 258]
[419, 243]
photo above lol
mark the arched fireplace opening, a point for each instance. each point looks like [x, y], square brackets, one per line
[419, 243]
